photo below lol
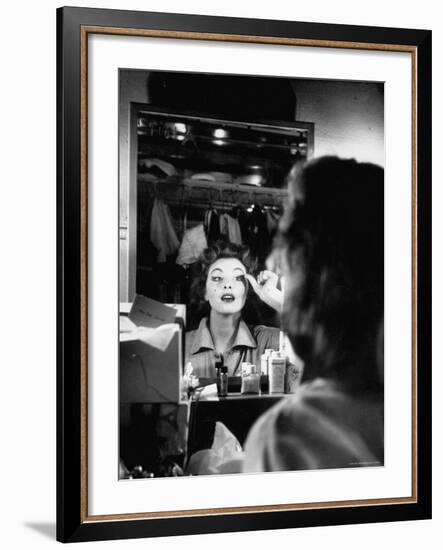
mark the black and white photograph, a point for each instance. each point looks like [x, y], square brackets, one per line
[220, 237]
[251, 274]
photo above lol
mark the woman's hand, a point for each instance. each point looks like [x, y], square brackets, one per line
[266, 289]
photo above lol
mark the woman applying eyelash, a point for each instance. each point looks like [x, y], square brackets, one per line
[222, 285]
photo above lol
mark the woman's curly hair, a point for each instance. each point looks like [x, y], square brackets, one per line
[331, 246]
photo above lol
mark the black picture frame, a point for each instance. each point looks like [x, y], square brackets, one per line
[72, 519]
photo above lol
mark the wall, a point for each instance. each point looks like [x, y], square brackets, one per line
[348, 117]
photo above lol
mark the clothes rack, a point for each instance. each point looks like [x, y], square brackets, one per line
[220, 196]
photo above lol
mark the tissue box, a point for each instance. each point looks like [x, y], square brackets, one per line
[149, 375]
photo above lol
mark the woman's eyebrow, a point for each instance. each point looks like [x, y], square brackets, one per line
[239, 269]
[216, 269]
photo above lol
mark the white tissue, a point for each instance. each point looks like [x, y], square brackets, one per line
[158, 338]
[209, 393]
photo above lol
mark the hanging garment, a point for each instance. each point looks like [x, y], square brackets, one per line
[230, 229]
[234, 230]
[146, 251]
[223, 226]
[193, 244]
[255, 233]
[272, 219]
[243, 221]
[163, 234]
[212, 226]
[181, 223]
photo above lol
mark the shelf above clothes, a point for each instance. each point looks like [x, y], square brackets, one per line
[176, 190]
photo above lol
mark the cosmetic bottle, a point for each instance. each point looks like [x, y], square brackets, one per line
[250, 383]
[223, 381]
[277, 366]
[292, 377]
[264, 362]
[222, 376]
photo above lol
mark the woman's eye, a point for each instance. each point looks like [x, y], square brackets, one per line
[240, 278]
[216, 279]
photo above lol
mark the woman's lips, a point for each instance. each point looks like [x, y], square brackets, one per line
[227, 297]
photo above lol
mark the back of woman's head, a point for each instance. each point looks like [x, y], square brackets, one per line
[331, 240]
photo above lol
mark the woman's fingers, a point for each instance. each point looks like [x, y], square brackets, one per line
[267, 276]
[266, 288]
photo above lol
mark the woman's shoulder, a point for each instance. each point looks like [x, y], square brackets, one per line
[266, 335]
[196, 337]
[190, 335]
[320, 415]
[264, 329]
[314, 398]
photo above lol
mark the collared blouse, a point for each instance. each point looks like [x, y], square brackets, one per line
[249, 344]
